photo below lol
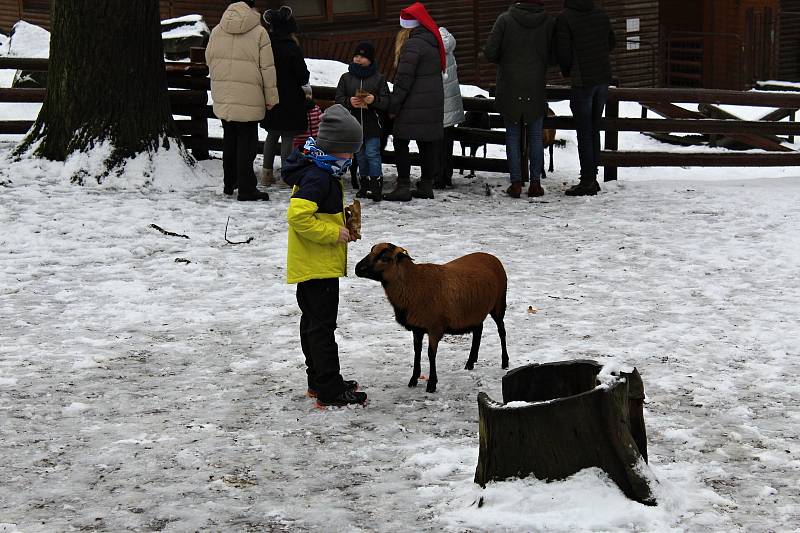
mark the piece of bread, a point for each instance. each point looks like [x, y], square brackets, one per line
[352, 217]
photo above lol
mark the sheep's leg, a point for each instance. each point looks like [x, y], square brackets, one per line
[476, 344]
[417, 358]
[433, 344]
[501, 330]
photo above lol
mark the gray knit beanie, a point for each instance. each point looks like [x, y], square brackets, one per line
[339, 131]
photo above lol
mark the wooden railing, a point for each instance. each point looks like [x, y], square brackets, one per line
[189, 85]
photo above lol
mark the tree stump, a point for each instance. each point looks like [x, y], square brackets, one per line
[572, 421]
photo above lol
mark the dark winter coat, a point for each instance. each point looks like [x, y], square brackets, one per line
[290, 68]
[372, 81]
[521, 45]
[418, 95]
[584, 40]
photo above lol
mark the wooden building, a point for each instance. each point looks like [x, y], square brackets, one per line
[789, 41]
[722, 45]
[330, 29]
[696, 43]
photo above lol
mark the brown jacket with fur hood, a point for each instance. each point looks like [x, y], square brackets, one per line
[241, 66]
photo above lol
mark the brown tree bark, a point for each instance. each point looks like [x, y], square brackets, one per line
[106, 82]
[570, 425]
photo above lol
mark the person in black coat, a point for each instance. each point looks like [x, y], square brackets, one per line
[288, 118]
[364, 92]
[520, 44]
[584, 40]
[418, 103]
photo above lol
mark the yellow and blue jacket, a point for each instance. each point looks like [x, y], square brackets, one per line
[315, 214]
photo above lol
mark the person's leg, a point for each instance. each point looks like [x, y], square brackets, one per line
[429, 154]
[599, 98]
[514, 157]
[270, 147]
[402, 191]
[246, 148]
[581, 105]
[447, 159]
[536, 154]
[286, 144]
[363, 171]
[319, 302]
[372, 154]
[229, 138]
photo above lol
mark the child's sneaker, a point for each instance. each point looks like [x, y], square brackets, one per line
[348, 385]
[347, 397]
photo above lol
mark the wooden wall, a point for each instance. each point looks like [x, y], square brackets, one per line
[470, 21]
[789, 41]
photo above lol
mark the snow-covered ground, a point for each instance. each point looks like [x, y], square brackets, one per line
[142, 393]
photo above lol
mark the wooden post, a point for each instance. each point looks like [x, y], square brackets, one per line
[199, 121]
[612, 136]
[571, 422]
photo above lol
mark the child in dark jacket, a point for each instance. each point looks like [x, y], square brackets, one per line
[364, 91]
[314, 114]
[317, 250]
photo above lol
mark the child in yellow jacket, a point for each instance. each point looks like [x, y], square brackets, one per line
[317, 249]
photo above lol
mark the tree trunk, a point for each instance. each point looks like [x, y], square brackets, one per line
[106, 82]
[570, 425]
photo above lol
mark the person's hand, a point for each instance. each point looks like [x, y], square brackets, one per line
[269, 107]
[356, 102]
[344, 235]
[369, 99]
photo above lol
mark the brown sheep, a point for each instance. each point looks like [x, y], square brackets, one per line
[452, 298]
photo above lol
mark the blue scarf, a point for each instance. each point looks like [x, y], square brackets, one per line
[336, 166]
[362, 72]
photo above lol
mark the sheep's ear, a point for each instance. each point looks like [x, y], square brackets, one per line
[401, 254]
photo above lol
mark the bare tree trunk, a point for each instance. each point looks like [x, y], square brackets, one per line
[106, 82]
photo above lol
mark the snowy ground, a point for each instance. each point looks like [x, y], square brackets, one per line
[140, 393]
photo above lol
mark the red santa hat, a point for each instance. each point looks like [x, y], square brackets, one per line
[416, 15]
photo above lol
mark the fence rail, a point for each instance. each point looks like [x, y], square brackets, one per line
[189, 85]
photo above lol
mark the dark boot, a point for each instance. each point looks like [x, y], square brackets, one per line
[535, 189]
[376, 188]
[347, 397]
[401, 193]
[349, 385]
[363, 187]
[586, 187]
[424, 190]
[515, 189]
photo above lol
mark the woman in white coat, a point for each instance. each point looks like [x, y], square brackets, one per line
[453, 108]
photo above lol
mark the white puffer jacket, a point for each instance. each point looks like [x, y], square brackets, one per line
[453, 106]
[241, 66]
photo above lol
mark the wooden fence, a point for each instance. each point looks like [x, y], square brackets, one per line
[189, 85]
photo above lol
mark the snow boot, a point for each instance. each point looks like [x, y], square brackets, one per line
[401, 193]
[350, 385]
[345, 398]
[424, 190]
[363, 187]
[586, 187]
[267, 177]
[535, 189]
[515, 189]
[375, 188]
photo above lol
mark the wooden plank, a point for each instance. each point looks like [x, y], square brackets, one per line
[667, 110]
[689, 140]
[770, 143]
[683, 159]
[15, 127]
[701, 126]
[708, 96]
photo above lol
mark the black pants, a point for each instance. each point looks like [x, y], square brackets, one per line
[319, 304]
[239, 147]
[430, 153]
[447, 156]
